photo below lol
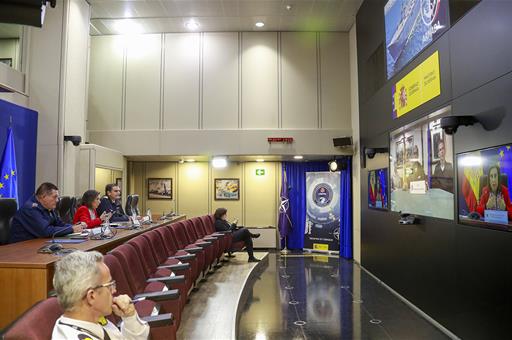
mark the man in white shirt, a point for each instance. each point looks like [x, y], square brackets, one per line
[85, 291]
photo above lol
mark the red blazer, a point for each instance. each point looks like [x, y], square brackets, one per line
[82, 214]
[485, 197]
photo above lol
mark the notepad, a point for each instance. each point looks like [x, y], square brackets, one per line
[66, 240]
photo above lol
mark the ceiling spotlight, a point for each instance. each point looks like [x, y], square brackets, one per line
[181, 161]
[191, 160]
[288, 7]
[333, 165]
[259, 24]
[219, 162]
[298, 157]
[260, 160]
[192, 25]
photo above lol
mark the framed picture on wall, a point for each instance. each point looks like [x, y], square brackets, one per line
[227, 189]
[6, 61]
[119, 183]
[160, 188]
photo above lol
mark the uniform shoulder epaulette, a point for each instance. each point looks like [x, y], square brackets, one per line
[34, 205]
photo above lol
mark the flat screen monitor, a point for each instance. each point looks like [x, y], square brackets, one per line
[411, 25]
[378, 189]
[483, 187]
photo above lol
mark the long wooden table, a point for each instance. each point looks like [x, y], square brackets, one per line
[26, 275]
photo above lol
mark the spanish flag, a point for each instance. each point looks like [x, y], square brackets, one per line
[471, 186]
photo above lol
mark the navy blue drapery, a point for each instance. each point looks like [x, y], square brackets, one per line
[296, 176]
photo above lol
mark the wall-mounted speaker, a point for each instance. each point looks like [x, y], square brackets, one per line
[24, 12]
[342, 142]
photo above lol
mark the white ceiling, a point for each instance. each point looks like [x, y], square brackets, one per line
[156, 16]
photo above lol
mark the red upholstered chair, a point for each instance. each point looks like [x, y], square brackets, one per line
[36, 323]
[140, 283]
[195, 229]
[165, 328]
[217, 239]
[205, 257]
[172, 251]
[209, 229]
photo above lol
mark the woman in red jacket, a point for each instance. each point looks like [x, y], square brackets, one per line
[495, 196]
[87, 211]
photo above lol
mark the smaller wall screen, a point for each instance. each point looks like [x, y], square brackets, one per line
[484, 181]
[378, 189]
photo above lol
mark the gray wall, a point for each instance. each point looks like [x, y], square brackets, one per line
[457, 274]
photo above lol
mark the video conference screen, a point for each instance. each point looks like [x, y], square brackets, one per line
[378, 189]
[421, 169]
[411, 25]
[483, 182]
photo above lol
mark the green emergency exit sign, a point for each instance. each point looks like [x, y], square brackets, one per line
[260, 172]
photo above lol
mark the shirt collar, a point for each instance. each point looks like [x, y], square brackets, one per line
[95, 328]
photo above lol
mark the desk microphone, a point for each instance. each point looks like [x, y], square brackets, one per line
[53, 247]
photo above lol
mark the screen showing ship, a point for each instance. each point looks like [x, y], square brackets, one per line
[411, 25]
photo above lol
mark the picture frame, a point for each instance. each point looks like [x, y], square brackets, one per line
[119, 183]
[6, 61]
[227, 189]
[159, 189]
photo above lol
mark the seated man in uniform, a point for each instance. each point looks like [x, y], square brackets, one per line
[85, 291]
[37, 218]
[238, 233]
[111, 203]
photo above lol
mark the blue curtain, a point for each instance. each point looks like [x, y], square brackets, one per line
[296, 175]
[346, 209]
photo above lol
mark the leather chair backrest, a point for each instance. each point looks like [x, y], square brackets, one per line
[64, 209]
[8, 207]
[75, 203]
[135, 204]
[128, 208]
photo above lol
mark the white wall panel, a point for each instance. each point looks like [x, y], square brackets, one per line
[260, 105]
[181, 82]
[143, 81]
[220, 80]
[105, 83]
[299, 80]
[335, 80]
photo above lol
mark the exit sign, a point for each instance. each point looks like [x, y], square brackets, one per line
[260, 172]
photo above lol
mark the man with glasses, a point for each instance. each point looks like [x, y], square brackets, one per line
[111, 203]
[85, 291]
[37, 218]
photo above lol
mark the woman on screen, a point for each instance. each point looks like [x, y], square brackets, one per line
[495, 196]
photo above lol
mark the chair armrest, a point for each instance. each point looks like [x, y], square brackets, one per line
[193, 250]
[171, 294]
[224, 232]
[167, 279]
[183, 257]
[210, 238]
[203, 244]
[175, 267]
[159, 320]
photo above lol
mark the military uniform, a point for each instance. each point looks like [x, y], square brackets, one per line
[115, 208]
[132, 328]
[34, 221]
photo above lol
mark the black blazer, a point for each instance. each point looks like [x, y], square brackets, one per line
[221, 225]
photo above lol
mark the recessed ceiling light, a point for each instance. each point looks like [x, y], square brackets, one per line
[127, 27]
[260, 160]
[219, 162]
[259, 24]
[190, 160]
[298, 157]
[288, 7]
[192, 25]
[181, 161]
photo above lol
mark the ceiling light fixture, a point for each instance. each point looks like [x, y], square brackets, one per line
[191, 160]
[298, 157]
[127, 27]
[333, 166]
[260, 160]
[192, 25]
[259, 24]
[289, 7]
[219, 162]
[181, 161]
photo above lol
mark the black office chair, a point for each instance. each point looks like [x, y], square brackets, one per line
[135, 204]
[128, 208]
[64, 209]
[8, 207]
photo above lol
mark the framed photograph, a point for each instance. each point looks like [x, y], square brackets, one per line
[160, 188]
[378, 189]
[227, 189]
[437, 136]
[119, 183]
[6, 61]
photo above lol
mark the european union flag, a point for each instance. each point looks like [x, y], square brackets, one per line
[8, 173]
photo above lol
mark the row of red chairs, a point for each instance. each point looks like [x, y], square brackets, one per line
[160, 268]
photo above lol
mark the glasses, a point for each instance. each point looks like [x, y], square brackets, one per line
[110, 285]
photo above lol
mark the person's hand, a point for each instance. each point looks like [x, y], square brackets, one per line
[122, 307]
[501, 203]
[104, 216]
[79, 227]
[490, 205]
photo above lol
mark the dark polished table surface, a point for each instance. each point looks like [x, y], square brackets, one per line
[26, 275]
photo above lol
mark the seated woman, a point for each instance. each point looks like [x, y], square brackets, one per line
[238, 233]
[87, 211]
[495, 195]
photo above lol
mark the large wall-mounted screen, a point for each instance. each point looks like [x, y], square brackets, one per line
[421, 169]
[411, 25]
[484, 180]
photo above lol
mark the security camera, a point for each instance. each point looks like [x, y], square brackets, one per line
[370, 152]
[451, 123]
[76, 140]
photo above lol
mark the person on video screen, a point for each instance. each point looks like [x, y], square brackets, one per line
[495, 196]
[443, 172]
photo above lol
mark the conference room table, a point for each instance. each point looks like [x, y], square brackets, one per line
[26, 275]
